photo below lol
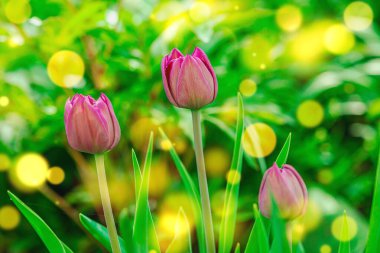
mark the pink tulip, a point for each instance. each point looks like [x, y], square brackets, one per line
[288, 190]
[91, 125]
[189, 81]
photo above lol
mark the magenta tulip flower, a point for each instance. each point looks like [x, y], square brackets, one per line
[288, 190]
[91, 125]
[190, 80]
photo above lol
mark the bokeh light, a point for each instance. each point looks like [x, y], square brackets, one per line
[5, 162]
[259, 140]
[338, 231]
[310, 113]
[233, 177]
[325, 248]
[358, 16]
[4, 101]
[159, 169]
[256, 52]
[9, 217]
[17, 11]
[217, 161]
[295, 232]
[66, 69]
[55, 175]
[247, 87]
[199, 11]
[31, 169]
[289, 18]
[307, 46]
[325, 176]
[338, 39]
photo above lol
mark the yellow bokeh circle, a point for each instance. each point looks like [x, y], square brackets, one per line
[217, 161]
[310, 113]
[66, 69]
[259, 140]
[344, 228]
[247, 87]
[4, 101]
[358, 16]
[31, 169]
[17, 11]
[5, 162]
[55, 175]
[256, 52]
[9, 217]
[233, 177]
[289, 18]
[338, 39]
[325, 248]
[199, 12]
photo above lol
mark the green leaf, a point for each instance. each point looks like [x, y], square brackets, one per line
[373, 245]
[283, 155]
[126, 231]
[298, 248]
[280, 243]
[99, 232]
[237, 249]
[182, 234]
[192, 191]
[227, 226]
[142, 226]
[258, 239]
[344, 246]
[49, 238]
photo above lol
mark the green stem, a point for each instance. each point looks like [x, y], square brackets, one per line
[205, 199]
[106, 202]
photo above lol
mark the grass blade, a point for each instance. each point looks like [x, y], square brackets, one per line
[143, 223]
[99, 232]
[126, 231]
[237, 249]
[49, 238]
[258, 239]
[191, 190]
[344, 246]
[182, 232]
[280, 243]
[373, 244]
[283, 155]
[227, 226]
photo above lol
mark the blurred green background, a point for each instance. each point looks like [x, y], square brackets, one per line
[311, 68]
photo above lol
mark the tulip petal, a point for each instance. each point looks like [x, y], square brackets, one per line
[164, 70]
[113, 124]
[193, 89]
[174, 54]
[199, 53]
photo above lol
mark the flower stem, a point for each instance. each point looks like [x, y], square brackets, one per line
[106, 202]
[202, 178]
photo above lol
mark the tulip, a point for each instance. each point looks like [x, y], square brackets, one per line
[91, 125]
[288, 190]
[190, 80]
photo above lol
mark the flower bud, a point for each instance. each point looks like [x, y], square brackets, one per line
[189, 81]
[288, 190]
[91, 125]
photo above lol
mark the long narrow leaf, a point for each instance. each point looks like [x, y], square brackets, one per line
[141, 231]
[258, 239]
[182, 235]
[49, 238]
[192, 191]
[227, 226]
[344, 245]
[280, 243]
[237, 249]
[283, 155]
[373, 245]
[100, 232]
[126, 231]
[152, 235]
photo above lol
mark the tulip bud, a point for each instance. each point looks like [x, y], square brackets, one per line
[288, 190]
[91, 125]
[189, 81]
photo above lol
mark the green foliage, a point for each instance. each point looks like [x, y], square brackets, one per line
[141, 229]
[280, 243]
[258, 239]
[182, 234]
[283, 155]
[100, 233]
[373, 244]
[227, 225]
[344, 245]
[48, 237]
